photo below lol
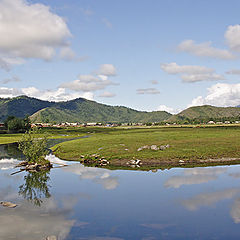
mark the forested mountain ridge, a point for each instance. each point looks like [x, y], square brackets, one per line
[77, 110]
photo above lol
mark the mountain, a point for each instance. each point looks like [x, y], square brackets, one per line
[82, 110]
[206, 112]
[77, 110]
[21, 106]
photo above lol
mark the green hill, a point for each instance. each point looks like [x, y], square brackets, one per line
[82, 110]
[21, 106]
[206, 112]
[77, 110]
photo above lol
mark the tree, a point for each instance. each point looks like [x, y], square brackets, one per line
[34, 146]
[14, 124]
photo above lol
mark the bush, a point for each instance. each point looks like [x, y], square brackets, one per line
[33, 147]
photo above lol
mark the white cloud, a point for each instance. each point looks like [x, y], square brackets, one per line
[168, 109]
[101, 176]
[208, 199]
[204, 50]
[221, 95]
[107, 70]
[147, 91]
[232, 36]
[87, 83]
[47, 220]
[191, 73]
[235, 211]
[194, 176]
[174, 68]
[57, 95]
[29, 31]
[107, 94]
[201, 77]
[234, 71]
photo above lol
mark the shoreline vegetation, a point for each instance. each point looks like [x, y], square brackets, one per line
[146, 147]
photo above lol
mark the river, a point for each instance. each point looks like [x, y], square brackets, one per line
[74, 202]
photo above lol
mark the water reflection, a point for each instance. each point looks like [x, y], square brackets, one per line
[35, 187]
[194, 176]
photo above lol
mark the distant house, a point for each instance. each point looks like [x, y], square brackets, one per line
[211, 122]
[227, 122]
[1, 124]
[91, 124]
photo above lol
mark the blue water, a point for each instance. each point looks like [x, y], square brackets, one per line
[77, 202]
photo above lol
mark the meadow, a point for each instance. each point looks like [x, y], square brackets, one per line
[187, 144]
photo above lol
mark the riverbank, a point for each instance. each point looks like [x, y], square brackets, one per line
[157, 146]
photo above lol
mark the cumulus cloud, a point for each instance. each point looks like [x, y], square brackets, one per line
[29, 31]
[208, 199]
[107, 94]
[232, 36]
[201, 77]
[205, 50]
[49, 220]
[57, 95]
[234, 71]
[107, 70]
[168, 109]
[194, 176]
[235, 211]
[174, 68]
[101, 176]
[92, 82]
[147, 91]
[191, 73]
[87, 83]
[221, 95]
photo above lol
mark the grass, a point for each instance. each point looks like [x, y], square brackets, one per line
[186, 143]
[191, 144]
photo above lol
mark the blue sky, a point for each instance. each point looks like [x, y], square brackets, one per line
[147, 55]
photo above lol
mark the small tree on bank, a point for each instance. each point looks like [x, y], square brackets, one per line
[33, 146]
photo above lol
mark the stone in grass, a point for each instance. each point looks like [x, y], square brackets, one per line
[181, 161]
[154, 147]
[8, 204]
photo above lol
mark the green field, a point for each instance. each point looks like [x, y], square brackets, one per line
[118, 145]
[186, 143]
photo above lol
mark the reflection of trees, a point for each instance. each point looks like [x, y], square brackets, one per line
[36, 187]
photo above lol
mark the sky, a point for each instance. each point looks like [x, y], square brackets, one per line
[148, 55]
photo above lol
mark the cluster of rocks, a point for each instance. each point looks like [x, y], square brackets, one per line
[34, 167]
[94, 159]
[134, 163]
[154, 147]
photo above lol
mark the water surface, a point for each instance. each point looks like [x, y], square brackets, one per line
[76, 202]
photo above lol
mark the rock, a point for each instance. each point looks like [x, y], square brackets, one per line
[154, 147]
[181, 161]
[126, 149]
[51, 238]
[154, 170]
[8, 204]
[167, 146]
[162, 148]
